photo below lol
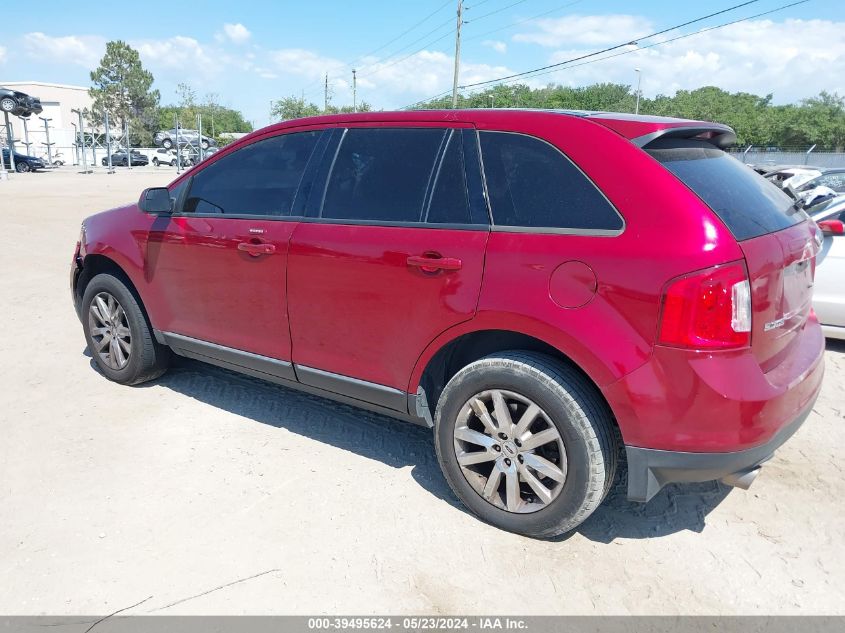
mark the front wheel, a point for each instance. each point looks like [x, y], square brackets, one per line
[7, 104]
[155, 162]
[167, 143]
[526, 443]
[118, 335]
[22, 168]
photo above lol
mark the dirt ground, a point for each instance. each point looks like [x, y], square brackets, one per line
[206, 492]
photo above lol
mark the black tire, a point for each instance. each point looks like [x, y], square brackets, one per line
[167, 143]
[575, 408]
[147, 358]
[7, 104]
[173, 163]
[22, 167]
[155, 162]
[205, 144]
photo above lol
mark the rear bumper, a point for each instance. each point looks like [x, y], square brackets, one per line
[650, 469]
[698, 416]
[834, 331]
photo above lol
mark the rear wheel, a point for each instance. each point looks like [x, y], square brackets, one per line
[204, 144]
[167, 143]
[526, 443]
[7, 104]
[118, 334]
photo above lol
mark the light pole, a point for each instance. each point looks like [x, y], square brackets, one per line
[639, 79]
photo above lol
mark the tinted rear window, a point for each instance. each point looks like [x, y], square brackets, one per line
[532, 184]
[746, 202]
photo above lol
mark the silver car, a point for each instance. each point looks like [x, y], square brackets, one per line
[168, 138]
[829, 286]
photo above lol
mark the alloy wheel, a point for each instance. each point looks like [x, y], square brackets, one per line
[509, 451]
[110, 330]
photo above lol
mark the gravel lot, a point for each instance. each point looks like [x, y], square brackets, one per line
[206, 492]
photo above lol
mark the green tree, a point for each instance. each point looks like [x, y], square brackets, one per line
[123, 88]
[297, 107]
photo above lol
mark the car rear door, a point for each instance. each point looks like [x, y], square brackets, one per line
[391, 256]
[219, 264]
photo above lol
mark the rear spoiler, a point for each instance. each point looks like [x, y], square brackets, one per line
[721, 137]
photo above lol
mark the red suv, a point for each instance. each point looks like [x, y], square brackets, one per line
[541, 288]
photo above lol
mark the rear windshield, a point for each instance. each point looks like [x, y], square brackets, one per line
[746, 202]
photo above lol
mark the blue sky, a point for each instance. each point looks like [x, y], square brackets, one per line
[252, 52]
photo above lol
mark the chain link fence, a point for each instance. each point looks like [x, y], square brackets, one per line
[789, 156]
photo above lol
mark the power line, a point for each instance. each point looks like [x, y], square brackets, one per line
[405, 32]
[610, 48]
[674, 39]
[398, 37]
[518, 22]
[625, 52]
[419, 50]
[487, 15]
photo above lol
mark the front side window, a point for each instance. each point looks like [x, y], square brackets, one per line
[530, 183]
[383, 174]
[259, 179]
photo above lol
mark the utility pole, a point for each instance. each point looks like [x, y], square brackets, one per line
[457, 54]
[354, 90]
[326, 95]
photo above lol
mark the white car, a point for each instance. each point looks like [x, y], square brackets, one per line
[829, 285]
[163, 157]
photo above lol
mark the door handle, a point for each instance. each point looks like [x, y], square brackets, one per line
[434, 263]
[257, 248]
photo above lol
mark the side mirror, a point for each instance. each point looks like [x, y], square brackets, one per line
[832, 227]
[156, 200]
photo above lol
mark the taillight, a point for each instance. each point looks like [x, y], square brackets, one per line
[709, 309]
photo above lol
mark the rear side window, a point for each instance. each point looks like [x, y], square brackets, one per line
[383, 174]
[746, 202]
[449, 202]
[259, 179]
[532, 184]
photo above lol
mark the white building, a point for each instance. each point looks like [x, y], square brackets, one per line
[57, 100]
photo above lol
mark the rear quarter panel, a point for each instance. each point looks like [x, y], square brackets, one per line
[668, 232]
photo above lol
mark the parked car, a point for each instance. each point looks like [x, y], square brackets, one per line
[19, 103]
[120, 159]
[829, 287]
[167, 138]
[23, 163]
[604, 281]
[164, 157]
[791, 175]
[828, 184]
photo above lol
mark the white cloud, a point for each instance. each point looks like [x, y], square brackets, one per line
[237, 33]
[298, 61]
[496, 45]
[586, 29]
[183, 53]
[785, 58]
[82, 50]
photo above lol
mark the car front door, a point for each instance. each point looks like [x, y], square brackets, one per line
[219, 262]
[391, 256]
